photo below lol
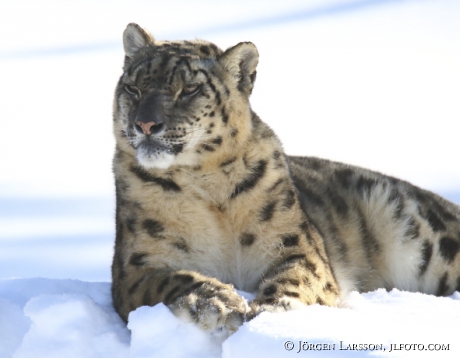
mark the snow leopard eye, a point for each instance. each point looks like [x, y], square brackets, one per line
[133, 91]
[189, 90]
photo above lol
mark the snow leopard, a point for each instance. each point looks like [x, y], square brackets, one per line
[208, 203]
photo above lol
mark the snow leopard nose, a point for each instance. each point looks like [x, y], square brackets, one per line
[150, 117]
[149, 127]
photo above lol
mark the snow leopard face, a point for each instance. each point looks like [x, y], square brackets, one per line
[170, 101]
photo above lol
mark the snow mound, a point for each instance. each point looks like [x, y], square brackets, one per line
[378, 319]
[59, 318]
[156, 332]
[70, 318]
[72, 325]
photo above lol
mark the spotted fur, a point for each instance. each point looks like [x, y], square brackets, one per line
[207, 201]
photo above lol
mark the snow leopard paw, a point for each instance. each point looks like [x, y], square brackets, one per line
[215, 308]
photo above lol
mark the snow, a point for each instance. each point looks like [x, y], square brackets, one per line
[71, 318]
[59, 318]
[370, 82]
[170, 338]
[379, 318]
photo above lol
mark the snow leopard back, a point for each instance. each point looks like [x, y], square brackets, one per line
[380, 231]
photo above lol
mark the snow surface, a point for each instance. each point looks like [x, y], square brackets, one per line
[71, 318]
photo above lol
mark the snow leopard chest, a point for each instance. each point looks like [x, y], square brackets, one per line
[174, 223]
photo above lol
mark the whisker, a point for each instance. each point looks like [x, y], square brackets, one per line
[205, 138]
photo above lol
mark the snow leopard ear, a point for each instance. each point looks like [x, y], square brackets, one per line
[241, 61]
[134, 39]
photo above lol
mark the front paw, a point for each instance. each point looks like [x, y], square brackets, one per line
[217, 309]
[281, 304]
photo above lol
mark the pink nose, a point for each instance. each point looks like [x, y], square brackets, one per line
[146, 126]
